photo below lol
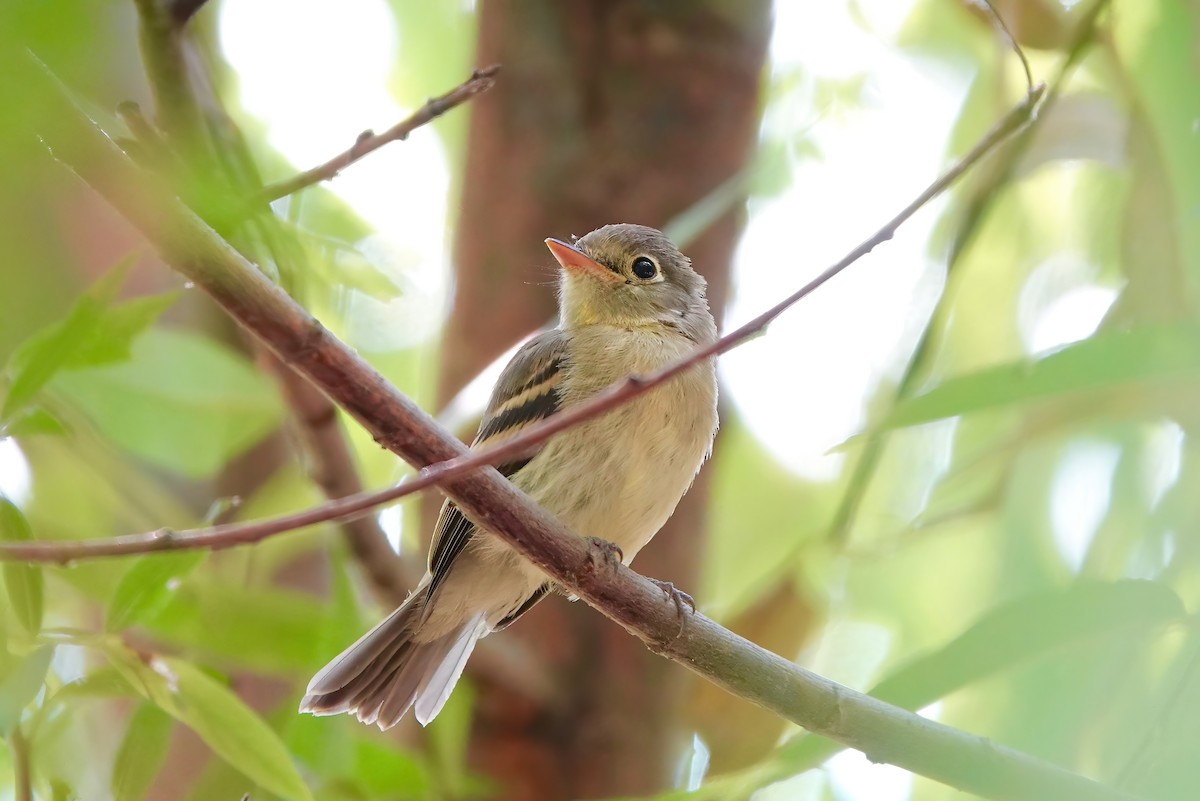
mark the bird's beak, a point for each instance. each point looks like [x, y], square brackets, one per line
[574, 260]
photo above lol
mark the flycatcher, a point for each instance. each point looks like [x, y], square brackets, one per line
[629, 302]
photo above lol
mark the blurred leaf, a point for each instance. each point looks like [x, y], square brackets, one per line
[1022, 629]
[449, 737]
[118, 328]
[233, 730]
[105, 682]
[92, 334]
[268, 630]
[366, 265]
[1155, 41]
[1080, 125]
[229, 727]
[182, 402]
[1027, 627]
[37, 361]
[1107, 360]
[352, 269]
[32, 422]
[23, 582]
[352, 758]
[434, 60]
[688, 225]
[141, 753]
[21, 685]
[146, 587]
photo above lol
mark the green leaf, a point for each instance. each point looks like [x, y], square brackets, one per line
[141, 753]
[1025, 628]
[119, 327]
[32, 422]
[41, 357]
[90, 336]
[345, 754]
[183, 402]
[1155, 43]
[1106, 361]
[448, 738]
[350, 268]
[273, 631]
[147, 587]
[21, 685]
[23, 582]
[232, 729]
[105, 682]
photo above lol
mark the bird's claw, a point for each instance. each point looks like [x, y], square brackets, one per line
[680, 598]
[609, 551]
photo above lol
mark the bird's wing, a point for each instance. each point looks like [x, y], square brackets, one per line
[526, 393]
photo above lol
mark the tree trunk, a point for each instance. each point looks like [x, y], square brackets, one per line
[606, 111]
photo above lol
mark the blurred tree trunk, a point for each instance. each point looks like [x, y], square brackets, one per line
[607, 111]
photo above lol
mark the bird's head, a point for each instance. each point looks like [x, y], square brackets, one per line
[630, 275]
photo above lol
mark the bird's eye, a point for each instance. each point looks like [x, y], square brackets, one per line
[644, 268]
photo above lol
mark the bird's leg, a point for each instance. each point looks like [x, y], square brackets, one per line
[677, 595]
[610, 552]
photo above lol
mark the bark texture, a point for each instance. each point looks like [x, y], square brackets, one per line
[607, 112]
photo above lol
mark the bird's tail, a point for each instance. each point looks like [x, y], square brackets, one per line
[386, 672]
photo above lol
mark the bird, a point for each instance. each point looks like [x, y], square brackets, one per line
[629, 303]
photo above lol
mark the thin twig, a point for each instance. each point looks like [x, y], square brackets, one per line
[976, 212]
[999, 22]
[883, 732]
[480, 81]
[218, 537]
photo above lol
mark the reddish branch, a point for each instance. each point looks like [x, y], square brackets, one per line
[883, 732]
[437, 474]
[368, 142]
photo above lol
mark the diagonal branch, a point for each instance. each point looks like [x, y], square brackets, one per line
[331, 467]
[885, 733]
[208, 138]
[368, 142]
[347, 506]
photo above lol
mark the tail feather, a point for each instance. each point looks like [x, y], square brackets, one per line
[436, 686]
[382, 675]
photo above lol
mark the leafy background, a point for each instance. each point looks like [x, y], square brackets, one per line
[961, 478]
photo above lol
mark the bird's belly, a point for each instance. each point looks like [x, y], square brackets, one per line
[620, 476]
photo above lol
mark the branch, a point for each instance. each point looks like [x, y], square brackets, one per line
[1014, 45]
[331, 467]
[351, 505]
[326, 454]
[480, 81]
[885, 733]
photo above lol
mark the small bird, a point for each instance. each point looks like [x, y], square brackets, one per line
[629, 303]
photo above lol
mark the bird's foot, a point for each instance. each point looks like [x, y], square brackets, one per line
[610, 552]
[680, 598]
